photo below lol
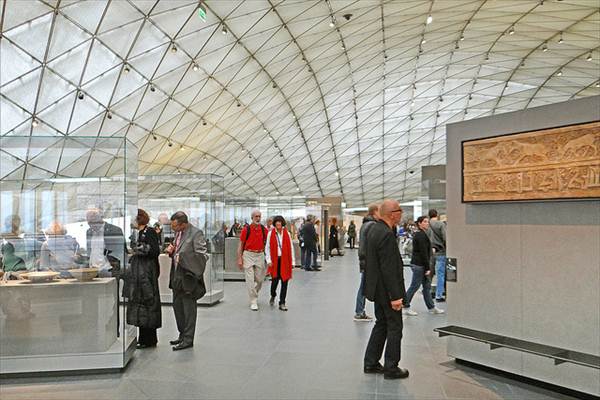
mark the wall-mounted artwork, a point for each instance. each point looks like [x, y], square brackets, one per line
[555, 163]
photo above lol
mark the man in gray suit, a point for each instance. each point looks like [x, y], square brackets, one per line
[188, 254]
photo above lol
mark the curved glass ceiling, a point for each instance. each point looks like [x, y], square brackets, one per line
[315, 98]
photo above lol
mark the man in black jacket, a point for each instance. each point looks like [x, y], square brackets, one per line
[384, 285]
[106, 245]
[309, 238]
[367, 223]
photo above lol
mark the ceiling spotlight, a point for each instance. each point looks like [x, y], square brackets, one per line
[559, 73]
[297, 189]
[589, 57]
[280, 155]
[224, 30]
[512, 30]
[152, 88]
[441, 99]
[456, 47]
[34, 122]
[429, 19]
[343, 47]
[347, 17]
[487, 57]
[411, 117]
[337, 173]
[470, 97]
[204, 122]
[173, 49]
[154, 137]
[541, 2]
[331, 24]
[423, 41]
[523, 63]
[126, 69]
[204, 157]
[273, 85]
[170, 144]
[560, 39]
[598, 84]
[80, 95]
[545, 47]
[108, 115]
[462, 37]
[232, 174]
[239, 105]
[466, 111]
[195, 67]
[182, 148]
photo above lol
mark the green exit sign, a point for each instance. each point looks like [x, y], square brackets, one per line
[202, 12]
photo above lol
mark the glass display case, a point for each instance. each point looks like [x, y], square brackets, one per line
[65, 206]
[201, 197]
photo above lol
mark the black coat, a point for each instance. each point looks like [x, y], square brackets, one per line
[384, 270]
[141, 282]
[421, 254]
[333, 238]
[309, 235]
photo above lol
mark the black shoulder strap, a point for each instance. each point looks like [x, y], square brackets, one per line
[247, 228]
[264, 232]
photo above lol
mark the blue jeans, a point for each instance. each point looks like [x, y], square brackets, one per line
[360, 297]
[440, 271]
[419, 278]
[310, 254]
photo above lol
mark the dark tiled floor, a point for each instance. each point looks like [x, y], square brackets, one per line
[314, 351]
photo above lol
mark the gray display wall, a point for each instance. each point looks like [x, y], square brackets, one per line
[526, 270]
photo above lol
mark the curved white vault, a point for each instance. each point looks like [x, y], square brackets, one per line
[317, 98]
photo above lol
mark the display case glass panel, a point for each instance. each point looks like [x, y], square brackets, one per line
[65, 207]
[201, 198]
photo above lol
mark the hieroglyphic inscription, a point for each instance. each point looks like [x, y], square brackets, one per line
[557, 163]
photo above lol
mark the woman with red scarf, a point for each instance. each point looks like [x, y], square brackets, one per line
[279, 254]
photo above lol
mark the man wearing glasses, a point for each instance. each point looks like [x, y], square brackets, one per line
[251, 257]
[384, 285]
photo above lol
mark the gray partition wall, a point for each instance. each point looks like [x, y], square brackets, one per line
[528, 270]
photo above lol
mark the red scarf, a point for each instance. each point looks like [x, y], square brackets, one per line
[286, 255]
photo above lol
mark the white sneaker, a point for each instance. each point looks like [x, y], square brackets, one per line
[408, 311]
[254, 307]
[436, 310]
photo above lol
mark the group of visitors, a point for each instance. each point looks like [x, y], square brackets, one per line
[337, 237]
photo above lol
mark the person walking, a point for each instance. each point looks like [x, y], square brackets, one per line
[251, 257]
[352, 234]
[309, 238]
[384, 285]
[188, 254]
[368, 222]
[437, 236]
[421, 269]
[279, 254]
[141, 283]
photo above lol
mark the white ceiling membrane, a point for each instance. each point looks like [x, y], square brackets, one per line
[314, 98]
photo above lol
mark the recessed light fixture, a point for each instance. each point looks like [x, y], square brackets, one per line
[429, 19]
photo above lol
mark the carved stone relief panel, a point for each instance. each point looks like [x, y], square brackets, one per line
[556, 163]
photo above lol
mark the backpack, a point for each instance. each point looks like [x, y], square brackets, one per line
[264, 232]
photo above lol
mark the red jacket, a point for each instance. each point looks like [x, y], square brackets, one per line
[286, 255]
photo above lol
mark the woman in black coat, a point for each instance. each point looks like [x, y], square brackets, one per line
[143, 308]
[333, 237]
[421, 269]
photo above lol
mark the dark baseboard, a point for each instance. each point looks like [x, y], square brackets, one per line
[530, 381]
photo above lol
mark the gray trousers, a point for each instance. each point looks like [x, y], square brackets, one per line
[184, 307]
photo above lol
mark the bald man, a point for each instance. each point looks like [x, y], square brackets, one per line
[384, 285]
